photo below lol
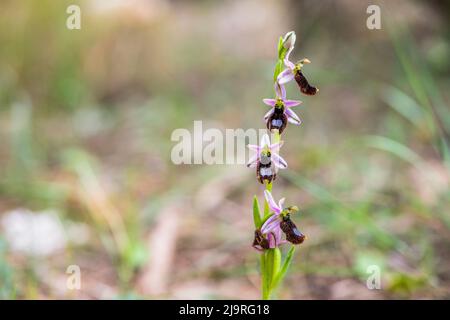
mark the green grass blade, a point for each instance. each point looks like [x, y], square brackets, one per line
[282, 273]
[394, 147]
[256, 213]
[406, 106]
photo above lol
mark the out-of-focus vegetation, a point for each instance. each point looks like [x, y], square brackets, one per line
[85, 123]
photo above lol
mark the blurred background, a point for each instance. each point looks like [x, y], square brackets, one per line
[86, 118]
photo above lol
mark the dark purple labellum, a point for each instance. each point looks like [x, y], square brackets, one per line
[265, 172]
[304, 85]
[293, 235]
[277, 120]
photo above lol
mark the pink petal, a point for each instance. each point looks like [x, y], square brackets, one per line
[265, 141]
[286, 57]
[280, 90]
[253, 161]
[291, 103]
[276, 146]
[254, 147]
[293, 121]
[272, 204]
[281, 202]
[272, 241]
[277, 233]
[288, 63]
[292, 117]
[270, 102]
[270, 224]
[285, 76]
[278, 161]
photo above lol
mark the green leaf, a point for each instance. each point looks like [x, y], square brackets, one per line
[256, 213]
[269, 266]
[408, 108]
[280, 47]
[272, 267]
[287, 262]
[278, 69]
[276, 265]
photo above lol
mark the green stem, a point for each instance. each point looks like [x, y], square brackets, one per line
[270, 267]
[269, 271]
[263, 278]
[276, 136]
[266, 204]
[270, 259]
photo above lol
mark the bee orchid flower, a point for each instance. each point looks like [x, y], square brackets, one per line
[281, 113]
[280, 221]
[269, 236]
[266, 159]
[293, 71]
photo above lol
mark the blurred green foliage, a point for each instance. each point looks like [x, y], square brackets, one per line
[86, 118]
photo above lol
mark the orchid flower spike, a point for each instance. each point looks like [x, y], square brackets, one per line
[293, 71]
[266, 159]
[281, 113]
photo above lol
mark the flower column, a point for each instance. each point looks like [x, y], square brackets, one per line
[276, 218]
